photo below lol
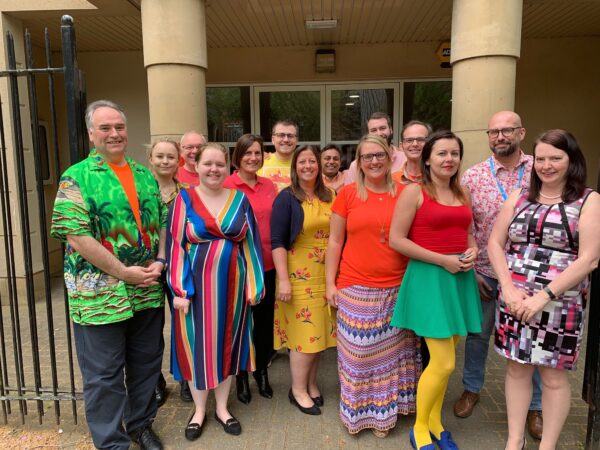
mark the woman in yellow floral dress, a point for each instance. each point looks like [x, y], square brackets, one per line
[299, 232]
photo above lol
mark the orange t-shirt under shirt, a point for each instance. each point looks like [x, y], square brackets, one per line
[366, 261]
[125, 176]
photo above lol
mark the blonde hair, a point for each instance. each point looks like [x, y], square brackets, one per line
[214, 146]
[166, 141]
[390, 185]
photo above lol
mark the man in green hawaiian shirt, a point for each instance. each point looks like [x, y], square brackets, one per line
[109, 211]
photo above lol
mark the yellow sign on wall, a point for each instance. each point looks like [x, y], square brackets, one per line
[443, 54]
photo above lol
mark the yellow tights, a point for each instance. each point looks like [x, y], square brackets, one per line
[432, 388]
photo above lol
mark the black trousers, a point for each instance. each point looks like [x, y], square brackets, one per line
[120, 364]
[263, 315]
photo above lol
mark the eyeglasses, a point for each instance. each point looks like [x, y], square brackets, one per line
[192, 147]
[418, 140]
[506, 132]
[285, 135]
[380, 156]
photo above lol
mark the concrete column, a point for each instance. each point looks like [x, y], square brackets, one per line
[174, 37]
[486, 43]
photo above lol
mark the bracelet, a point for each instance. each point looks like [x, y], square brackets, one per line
[548, 291]
[161, 260]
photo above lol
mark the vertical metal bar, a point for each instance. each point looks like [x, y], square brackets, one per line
[26, 231]
[35, 127]
[58, 172]
[74, 129]
[14, 310]
[71, 87]
[9, 259]
[591, 377]
[57, 167]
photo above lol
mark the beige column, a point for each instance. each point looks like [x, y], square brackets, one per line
[174, 37]
[486, 43]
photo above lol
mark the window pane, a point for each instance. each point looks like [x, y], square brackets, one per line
[228, 110]
[350, 110]
[429, 101]
[303, 107]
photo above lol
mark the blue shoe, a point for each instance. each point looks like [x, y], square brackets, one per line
[445, 442]
[411, 436]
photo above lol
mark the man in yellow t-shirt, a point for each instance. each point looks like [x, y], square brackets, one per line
[277, 165]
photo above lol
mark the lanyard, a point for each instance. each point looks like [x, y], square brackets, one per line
[500, 187]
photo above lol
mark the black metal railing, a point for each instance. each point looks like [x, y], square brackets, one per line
[32, 374]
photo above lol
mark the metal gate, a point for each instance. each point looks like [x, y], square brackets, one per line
[30, 371]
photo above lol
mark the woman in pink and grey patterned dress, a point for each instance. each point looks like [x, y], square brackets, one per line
[543, 276]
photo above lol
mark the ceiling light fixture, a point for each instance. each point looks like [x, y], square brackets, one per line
[320, 24]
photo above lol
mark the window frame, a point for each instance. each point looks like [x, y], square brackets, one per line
[325, 88]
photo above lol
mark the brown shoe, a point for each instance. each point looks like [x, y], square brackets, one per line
[464, 406]
[380, 434]
[535, 424]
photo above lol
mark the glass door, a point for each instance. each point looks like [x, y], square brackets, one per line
[303, 104]
[349, 108]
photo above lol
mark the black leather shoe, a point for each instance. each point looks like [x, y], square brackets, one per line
[319, 401]
[312, 410]
[160, 392]
[147, 439]
[242, 388]
[185, 393]
[232, 426]
[193, 430]
[262, 379]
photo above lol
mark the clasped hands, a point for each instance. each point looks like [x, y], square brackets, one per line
[521, 305]
[461, 263]
[143, 276]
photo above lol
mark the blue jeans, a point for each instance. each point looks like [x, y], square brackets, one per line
[476, 350]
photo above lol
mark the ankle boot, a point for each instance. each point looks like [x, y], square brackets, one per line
[262, 379]
[243, 388]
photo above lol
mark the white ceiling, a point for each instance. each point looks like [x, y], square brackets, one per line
[276, 23]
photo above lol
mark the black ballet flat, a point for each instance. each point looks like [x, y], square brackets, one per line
[194, 430]
[312, 410]
[319, 401]
[231, 426]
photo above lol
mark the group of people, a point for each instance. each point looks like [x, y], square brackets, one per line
[391, 262]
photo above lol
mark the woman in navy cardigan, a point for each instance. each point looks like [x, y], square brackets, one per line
[299, 232]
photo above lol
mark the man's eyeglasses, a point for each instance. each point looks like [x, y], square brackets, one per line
[192, 147]
[369, 156]
[285, 135]
[506, 132]
[418, 140]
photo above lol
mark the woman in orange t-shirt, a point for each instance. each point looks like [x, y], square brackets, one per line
[379, 366]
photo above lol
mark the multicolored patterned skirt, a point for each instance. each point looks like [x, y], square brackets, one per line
[379, 366]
